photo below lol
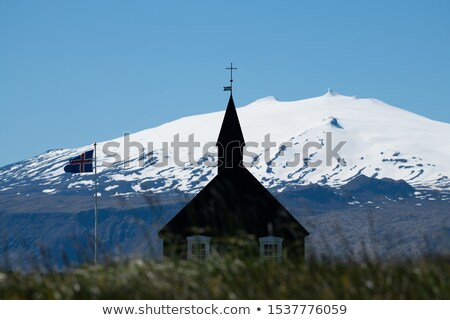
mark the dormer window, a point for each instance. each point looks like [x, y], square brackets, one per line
[271, 247]
[198, 247]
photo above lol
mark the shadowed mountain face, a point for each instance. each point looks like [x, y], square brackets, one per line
[365, 188]
[356, 219]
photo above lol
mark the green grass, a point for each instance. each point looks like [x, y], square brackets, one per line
[229, 278]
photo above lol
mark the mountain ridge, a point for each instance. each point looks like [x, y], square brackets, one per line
[381, 141]
[389, 193]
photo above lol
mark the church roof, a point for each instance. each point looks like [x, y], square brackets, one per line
[234, 203]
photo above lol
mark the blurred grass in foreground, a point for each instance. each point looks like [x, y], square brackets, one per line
[230, 278]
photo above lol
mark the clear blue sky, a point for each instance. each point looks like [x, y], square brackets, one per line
[73, 72]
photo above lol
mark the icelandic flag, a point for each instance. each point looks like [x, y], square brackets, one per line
[81, 163]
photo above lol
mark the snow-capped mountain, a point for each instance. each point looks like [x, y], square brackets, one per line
[381, 141]
[387, 192]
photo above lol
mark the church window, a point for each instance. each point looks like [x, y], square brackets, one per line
[198, 247]
[271, 247]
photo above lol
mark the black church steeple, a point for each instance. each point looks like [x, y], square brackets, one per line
[231, 140]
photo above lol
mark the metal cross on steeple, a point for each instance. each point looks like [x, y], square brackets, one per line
[230, 87]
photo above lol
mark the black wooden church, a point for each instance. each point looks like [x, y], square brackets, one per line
[234, 213]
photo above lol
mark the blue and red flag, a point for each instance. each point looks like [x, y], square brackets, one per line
[81, 163]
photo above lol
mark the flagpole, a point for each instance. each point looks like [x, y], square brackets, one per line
[95, 218]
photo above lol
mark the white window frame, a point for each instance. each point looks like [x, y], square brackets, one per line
[271, 240]
[198, 240]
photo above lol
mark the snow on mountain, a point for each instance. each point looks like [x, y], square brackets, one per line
[350, 204]
[381, 141]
